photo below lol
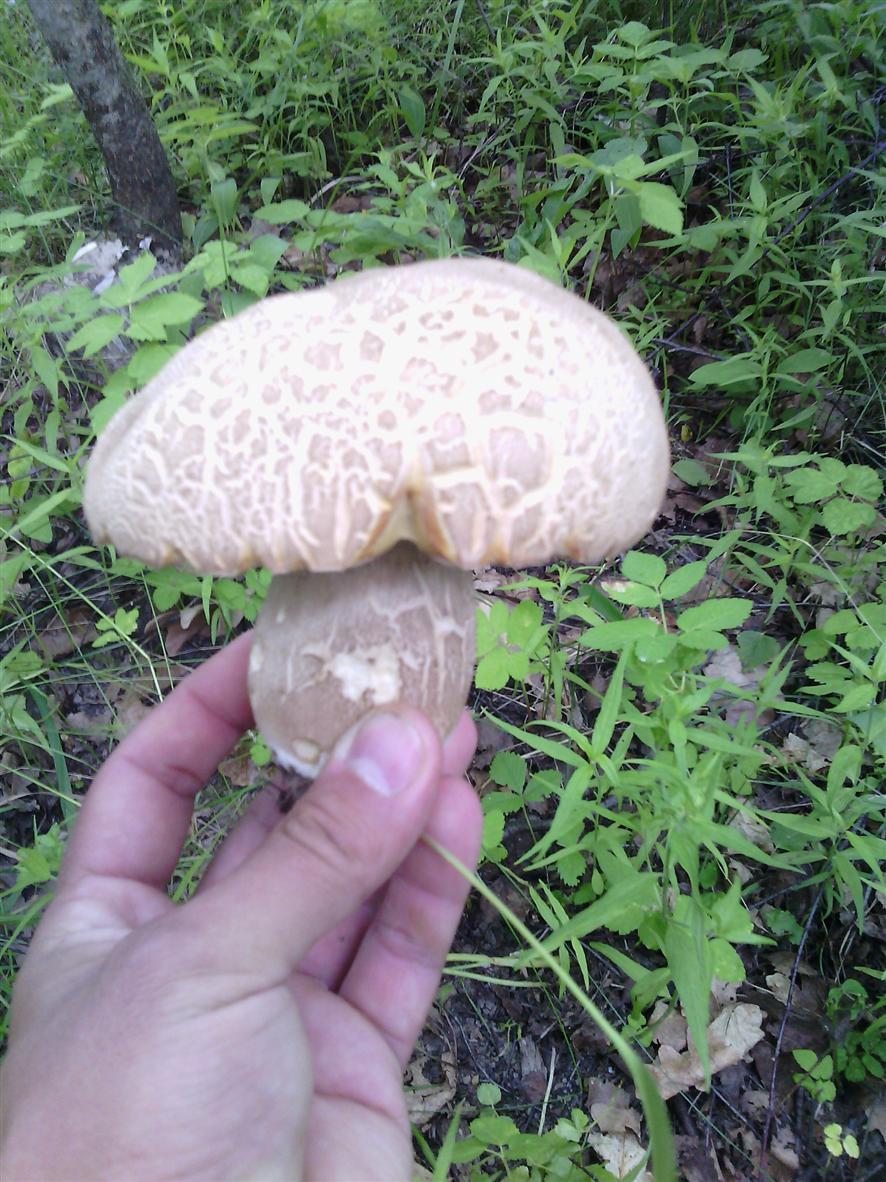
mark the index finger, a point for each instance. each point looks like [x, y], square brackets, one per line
[136, 814]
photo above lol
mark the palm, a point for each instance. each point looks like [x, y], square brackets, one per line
[259, 1030]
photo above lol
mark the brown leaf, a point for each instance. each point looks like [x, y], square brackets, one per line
[610, 1108]
[240, 770]
[670, 1027]
[534, 1076]
[620, 1153]
[731, 1035]
[68, 633]
[423, 1098]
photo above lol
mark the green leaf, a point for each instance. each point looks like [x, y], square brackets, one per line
[96, 333]
[488, 1094]
[613, 636]
[634, 595]
[746, 59]
[224, 199]
[681, 581]
[607, 716]
[151, 318]
[862, 481]
[639, 567]
[12, 243]
[281, 212]
[621, 909]
[524, 621]
[737, 370]
[494, 1130]
[130, 280]
[716, 614]
[660, 207]
[808, 485]
[508, 770]
[842, 516]
[756, 648]
[688, 956]
[805, 361]
[413, 109]
[492, 671]
[691, 472]
[805, 1058]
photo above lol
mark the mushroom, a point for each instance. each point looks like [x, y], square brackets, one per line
[371, 442]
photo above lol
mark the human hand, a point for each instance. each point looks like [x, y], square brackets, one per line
[258, 1031]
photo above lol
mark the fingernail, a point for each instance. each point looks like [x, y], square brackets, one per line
[385, 752]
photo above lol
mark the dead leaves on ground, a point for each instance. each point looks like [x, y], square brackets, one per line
[734, 1031]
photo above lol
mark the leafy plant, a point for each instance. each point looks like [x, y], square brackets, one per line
[816, 1075]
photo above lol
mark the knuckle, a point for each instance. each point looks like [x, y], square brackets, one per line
[407, 940]
[326, 836]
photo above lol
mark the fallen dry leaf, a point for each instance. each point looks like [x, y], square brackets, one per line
[68, 633]
[783, 1148]
[239, 770]
[620, 1153]
[610, 1108]
[670, 1027]
[731, 1035]
[726, 664]
[423, 1098]
[754, 830]
[533, 1074]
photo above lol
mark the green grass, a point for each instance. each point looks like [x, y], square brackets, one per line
[695, 740]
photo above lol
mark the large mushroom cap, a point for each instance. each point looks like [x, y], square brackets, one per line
[466, 405]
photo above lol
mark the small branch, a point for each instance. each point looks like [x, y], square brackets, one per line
[770, 1113]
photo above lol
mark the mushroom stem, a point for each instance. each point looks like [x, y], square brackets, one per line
[330, 647]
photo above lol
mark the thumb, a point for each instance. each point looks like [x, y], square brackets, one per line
[339, 843]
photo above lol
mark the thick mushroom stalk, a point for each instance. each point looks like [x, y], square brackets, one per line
[329, 648]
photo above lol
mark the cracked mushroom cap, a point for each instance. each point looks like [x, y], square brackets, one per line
[465, 405]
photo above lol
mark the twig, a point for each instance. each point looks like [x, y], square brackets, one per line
[770, 1113]
[544, 1103]
[823, 196]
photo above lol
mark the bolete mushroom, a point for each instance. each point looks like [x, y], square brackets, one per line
[371, 442]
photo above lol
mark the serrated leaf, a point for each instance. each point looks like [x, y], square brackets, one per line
[842, 516]
[96, 333]
[660, 207]
[524, 619]
[152, 317]
[716, 614]
[809, 485]
[492, 671]
[508, 770]
[681, 581]
[634, 595]
[639, 567]
[614, 635]
[862, 481]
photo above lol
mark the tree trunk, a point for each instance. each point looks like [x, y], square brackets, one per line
[82, 43]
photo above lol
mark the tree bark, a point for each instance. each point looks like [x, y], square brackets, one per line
[82, 43]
